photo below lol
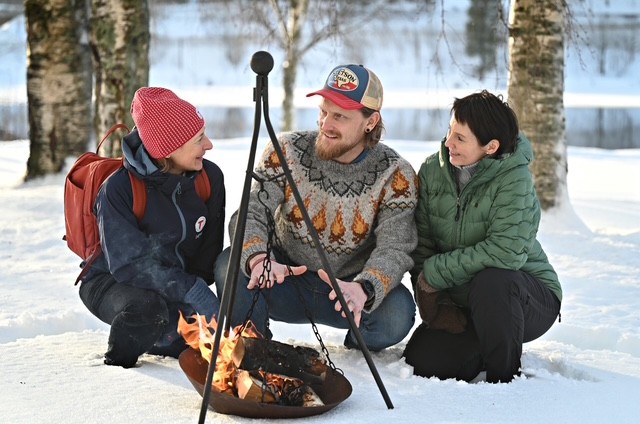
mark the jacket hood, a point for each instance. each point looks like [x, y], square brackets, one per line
[137, 159]
[523, 149]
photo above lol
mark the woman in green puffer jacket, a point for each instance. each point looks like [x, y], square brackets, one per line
[482, 282]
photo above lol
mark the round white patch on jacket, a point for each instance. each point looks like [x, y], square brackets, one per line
[200, 223]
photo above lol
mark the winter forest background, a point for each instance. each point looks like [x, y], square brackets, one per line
[195, 47]
[586, 369]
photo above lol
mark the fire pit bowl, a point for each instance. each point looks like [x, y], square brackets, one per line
[334, 389]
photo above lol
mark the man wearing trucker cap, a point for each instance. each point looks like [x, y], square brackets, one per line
[360, 196]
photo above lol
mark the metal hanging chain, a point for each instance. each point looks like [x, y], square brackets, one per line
[263, 281]
[274, 239]
[314, 327]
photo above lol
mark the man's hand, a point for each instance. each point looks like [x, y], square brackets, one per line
[353, 294]
[277, 274]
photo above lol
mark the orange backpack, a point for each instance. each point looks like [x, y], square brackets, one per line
[81, 188]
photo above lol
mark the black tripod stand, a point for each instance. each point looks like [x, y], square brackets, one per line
[262, 64]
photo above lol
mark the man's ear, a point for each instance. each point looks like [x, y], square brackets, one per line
[373, 120]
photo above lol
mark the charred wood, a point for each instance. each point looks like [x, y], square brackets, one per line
[264, 387]
[279, 358]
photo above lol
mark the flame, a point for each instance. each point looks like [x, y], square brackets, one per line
[199, 335]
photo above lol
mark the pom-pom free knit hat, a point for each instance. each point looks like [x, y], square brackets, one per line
[352, 87]
[164, 121]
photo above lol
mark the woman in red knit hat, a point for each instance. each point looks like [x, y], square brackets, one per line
[152, 268]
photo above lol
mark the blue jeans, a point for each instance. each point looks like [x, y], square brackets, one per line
[387, 325]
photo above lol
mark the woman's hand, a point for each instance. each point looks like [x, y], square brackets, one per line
[437, 310]
[424, 285]
[277, 274]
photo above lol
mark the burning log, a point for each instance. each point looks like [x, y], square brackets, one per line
[304, 363]
[264, 387]
[250, 387]
[303, 396]
[261, 372]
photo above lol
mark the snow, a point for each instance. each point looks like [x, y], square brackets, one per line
[586, 369]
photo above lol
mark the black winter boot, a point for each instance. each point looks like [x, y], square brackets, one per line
[131, 335]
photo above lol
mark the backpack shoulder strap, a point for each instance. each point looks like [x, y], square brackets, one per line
[139, 196]
[111, 131]
[203, 185]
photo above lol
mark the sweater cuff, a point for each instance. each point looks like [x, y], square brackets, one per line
[370, 291]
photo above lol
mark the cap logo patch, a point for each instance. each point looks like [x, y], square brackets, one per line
[343, 79]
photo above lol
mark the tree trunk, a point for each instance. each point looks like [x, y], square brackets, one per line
[536, 89]
[292, 36]
[289, 76]
[58, 85]
[120, 48]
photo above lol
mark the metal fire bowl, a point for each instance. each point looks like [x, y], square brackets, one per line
[332, 391]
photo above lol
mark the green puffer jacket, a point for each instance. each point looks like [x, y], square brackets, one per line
[493, 222]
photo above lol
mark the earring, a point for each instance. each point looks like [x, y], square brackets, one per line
[367, 130]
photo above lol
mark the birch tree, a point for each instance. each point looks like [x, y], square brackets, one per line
[58, 84]
[120, 52]
[536, 89]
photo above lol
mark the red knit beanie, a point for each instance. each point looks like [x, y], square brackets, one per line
[164, 121]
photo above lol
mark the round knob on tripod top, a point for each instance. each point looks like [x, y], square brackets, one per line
[261, 63]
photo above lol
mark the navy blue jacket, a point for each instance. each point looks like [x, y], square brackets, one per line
[169, 248]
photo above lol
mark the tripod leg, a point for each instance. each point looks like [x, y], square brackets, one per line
[231, 279]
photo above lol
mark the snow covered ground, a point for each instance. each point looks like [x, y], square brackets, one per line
[586, 369]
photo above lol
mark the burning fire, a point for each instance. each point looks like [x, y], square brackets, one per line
[252, 368]
[198, 336]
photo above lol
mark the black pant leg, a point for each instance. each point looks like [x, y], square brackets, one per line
[436, 353]
[509, 308]
[137, 317]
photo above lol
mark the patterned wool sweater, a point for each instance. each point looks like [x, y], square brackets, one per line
[363, 212]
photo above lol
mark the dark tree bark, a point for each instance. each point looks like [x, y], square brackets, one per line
[58, 84]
